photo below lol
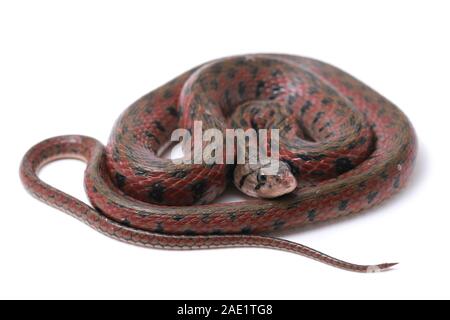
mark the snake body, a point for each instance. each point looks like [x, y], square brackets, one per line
[347, 146]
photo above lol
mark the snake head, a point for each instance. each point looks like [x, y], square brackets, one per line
[252, 180]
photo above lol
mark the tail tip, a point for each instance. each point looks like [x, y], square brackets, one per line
[381, 267]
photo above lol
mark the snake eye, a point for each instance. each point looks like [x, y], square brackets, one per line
[261, 178]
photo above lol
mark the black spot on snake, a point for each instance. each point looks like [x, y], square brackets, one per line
[362, 140]
[343, 165]
[168, 94]
[214, 84]
[343, 205]
[227, 98]
[217, 232]
[326, 125]
[159, 227]
[159, 125]
[120, 180]
[396, 182]
[254, 71]
[246, 230]
[231, 73]
[198, 189]
[294, 169]
[352, 145]
[318, 116]
[150, 135]
[362, 185]
[276, 72]
[178, 217]
[260, 88]
[149, 109]
[404, 147]
[217, 68]
[260, 213]
[156, 193]
[278, 224]
[241, 89]
[292, 99]
[306, 106]
[312, 215]
[304, 157]
[371, 196]
[326, 101]
[384, 175]
[189, 232]
[172, 111]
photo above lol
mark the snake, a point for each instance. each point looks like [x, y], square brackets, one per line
[343, 148]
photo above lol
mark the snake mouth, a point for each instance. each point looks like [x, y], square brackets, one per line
[252, 182]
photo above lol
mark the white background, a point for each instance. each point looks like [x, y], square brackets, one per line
[72, 67]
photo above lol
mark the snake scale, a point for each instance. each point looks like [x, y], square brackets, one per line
[347, 147]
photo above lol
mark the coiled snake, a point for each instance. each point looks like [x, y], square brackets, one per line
[343, 146]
